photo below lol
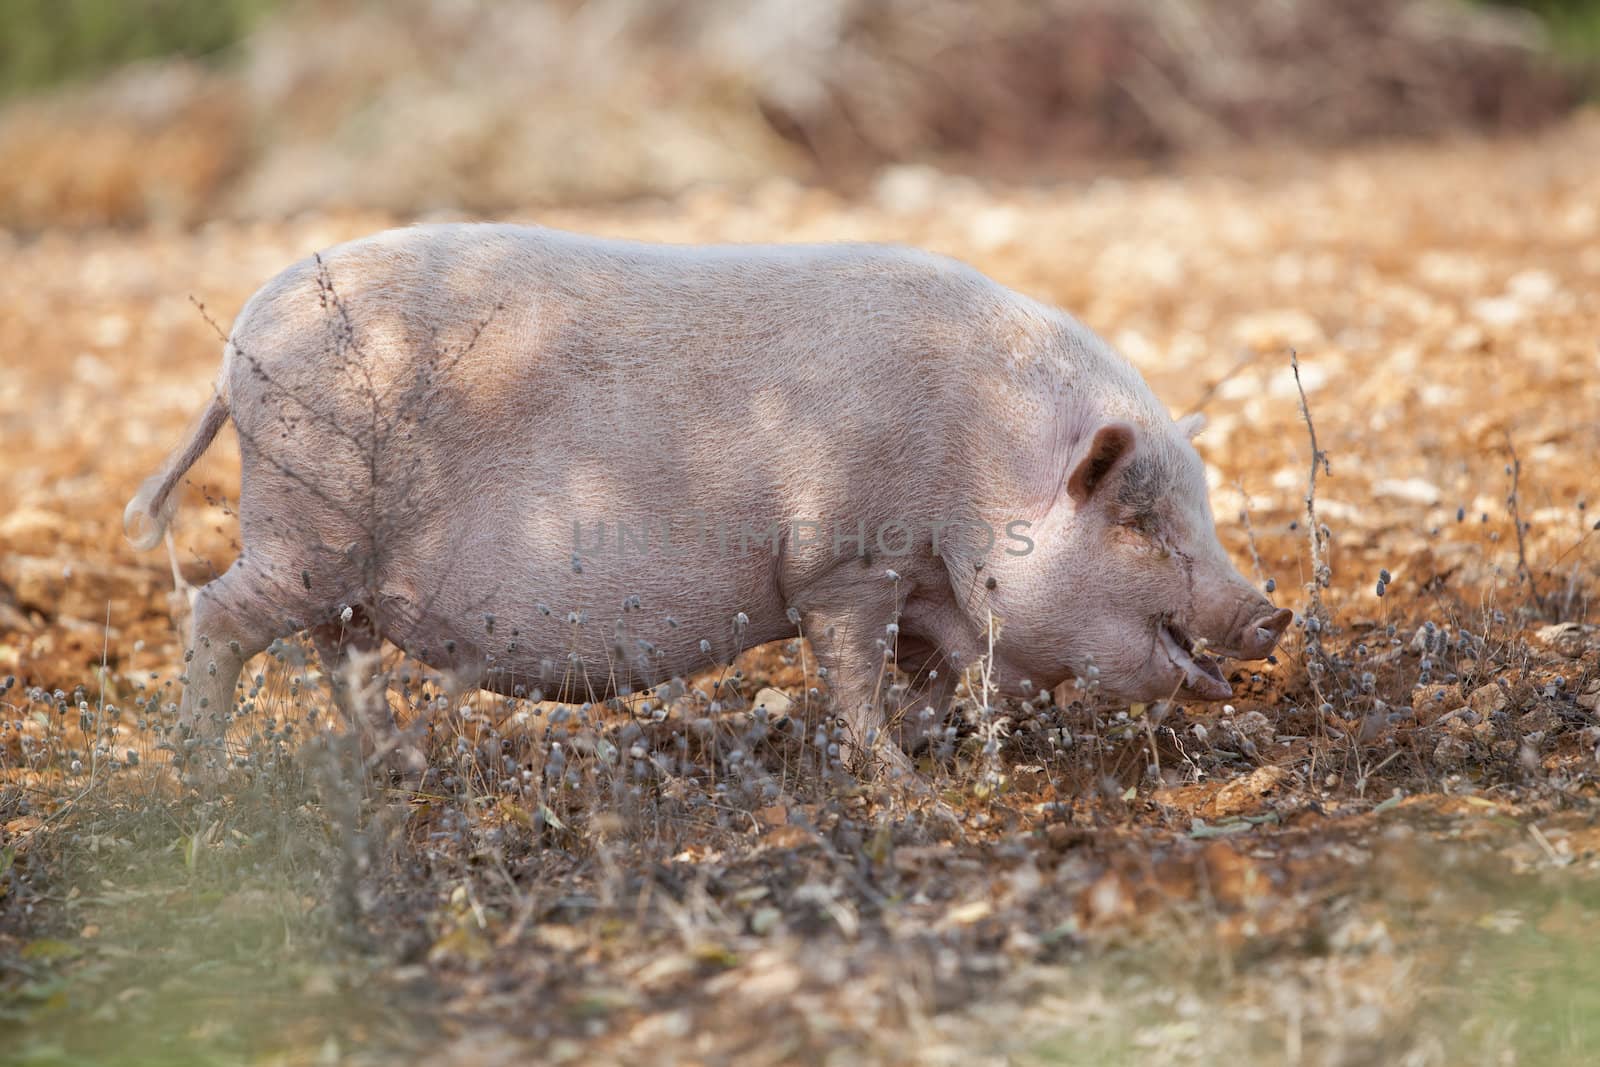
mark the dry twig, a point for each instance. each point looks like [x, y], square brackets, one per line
[1320, 572]
[1524, 571]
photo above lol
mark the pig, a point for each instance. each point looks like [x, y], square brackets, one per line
[569, 468]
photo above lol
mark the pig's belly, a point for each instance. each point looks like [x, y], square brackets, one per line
[606, 631]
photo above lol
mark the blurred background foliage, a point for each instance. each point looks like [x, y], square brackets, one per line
[175, 111]
[47, 42]
[1573, 25]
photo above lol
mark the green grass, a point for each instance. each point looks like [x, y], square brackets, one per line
[1574, 25]
[212, 942]
[48, 42]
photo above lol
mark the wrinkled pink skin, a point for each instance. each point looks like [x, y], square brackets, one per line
[527, 378]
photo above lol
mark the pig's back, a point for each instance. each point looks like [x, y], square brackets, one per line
[522, 296]
[618, 344]
[534, 371]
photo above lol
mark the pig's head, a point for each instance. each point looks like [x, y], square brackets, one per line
[1127, 574]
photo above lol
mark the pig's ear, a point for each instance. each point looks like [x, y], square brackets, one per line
[1112, 444]
[1192, 424]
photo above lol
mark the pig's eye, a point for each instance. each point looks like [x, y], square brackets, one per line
[1142, 533]
[1142, 525]
[1135, 536]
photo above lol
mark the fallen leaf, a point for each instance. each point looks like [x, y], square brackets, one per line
[969, 913]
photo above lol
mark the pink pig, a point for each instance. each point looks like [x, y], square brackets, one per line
[565, 467]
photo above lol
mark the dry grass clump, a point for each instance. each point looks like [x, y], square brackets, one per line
[159, 145]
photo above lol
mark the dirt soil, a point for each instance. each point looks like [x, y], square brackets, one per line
[1383, 849]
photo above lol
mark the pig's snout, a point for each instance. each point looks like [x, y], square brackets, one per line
[1260, 636]
[1246, 626]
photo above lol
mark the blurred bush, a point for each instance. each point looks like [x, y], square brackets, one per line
[1574, 25]
[1020, 84]
[44, 42]
[492, 106]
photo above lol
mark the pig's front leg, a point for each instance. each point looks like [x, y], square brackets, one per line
[919, 713]
[852, 651]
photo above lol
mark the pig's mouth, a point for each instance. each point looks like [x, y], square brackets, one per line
[1202, 675]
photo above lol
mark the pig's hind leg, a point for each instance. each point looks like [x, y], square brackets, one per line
[349, 651]
[235, 617]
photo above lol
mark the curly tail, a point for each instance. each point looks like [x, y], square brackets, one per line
[147, 514]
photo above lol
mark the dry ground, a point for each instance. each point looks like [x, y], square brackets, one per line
[1383, 850]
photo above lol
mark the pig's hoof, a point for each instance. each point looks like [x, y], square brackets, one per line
[406, 767]
[886, 764]
[204, 776]
[881, 762]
